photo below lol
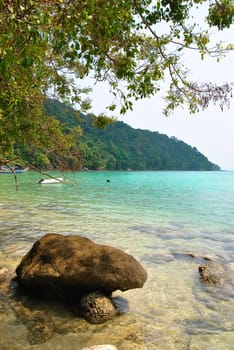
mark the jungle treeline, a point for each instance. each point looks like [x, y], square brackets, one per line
[116, 147]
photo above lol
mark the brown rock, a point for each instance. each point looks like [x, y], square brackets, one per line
[68, 266]
[96, 307]
[216, 273]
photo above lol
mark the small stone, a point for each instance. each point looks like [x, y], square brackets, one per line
[101, 347]
[96, 308]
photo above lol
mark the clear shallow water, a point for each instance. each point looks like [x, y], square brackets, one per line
[158, 217]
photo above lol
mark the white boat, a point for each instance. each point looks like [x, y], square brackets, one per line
[58, 180]
[7, 170]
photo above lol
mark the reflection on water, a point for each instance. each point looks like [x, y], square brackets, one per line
[170, 221]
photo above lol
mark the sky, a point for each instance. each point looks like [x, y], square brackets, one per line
[210, 131]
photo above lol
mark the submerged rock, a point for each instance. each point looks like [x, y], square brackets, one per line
[218, 276]
[70, 266]
[4, 273]
[216, 273]
[121, 304]
[40, 330]
[96, 307]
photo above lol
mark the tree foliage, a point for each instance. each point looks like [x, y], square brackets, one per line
[48, 47]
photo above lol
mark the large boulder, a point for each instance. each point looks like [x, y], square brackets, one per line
[70, 266]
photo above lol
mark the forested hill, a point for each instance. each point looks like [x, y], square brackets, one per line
[121, 147]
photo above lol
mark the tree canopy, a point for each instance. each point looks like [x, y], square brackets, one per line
[48, 47]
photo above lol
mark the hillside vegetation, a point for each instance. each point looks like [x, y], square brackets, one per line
[119, 147]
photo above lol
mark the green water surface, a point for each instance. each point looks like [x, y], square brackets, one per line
[159, 218]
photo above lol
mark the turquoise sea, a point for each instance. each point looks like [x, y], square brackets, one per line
[169, 221]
